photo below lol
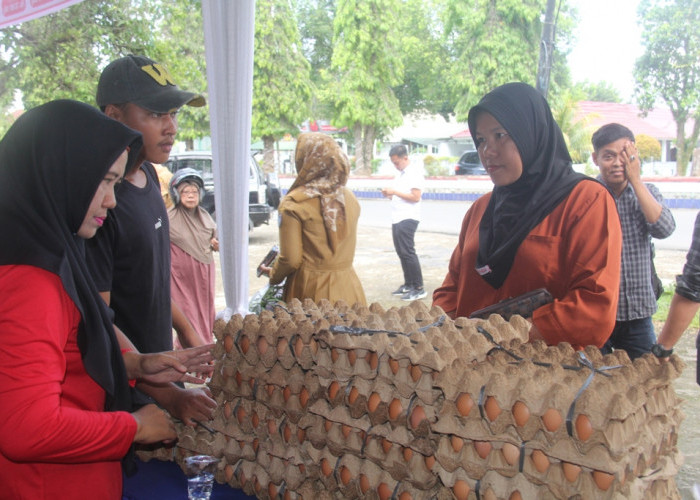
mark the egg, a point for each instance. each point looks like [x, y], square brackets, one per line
[272, 490]
[417, 416]
[395, 409]
[270, 389]
[326, 468]
[352, 397]
[416, 372]
[584, 429]
[407, 454]
[373, 402]
[394, 366]
[298, 346]
[334, 354]
[516, 495]
[228, 343]
[255, 420]
[228, 472]
[333, 390]
[256, 444]
[281, 347]
[327, 424]
[483, 448]
[429, 462]
[302, 469]
[287, 393]
[227, 410]
[571, 471]
[386, 445]
[314, 346]
[262, 345]
[603, 480]
[521, 413]
[364, 484]
[372, 359]
[241, 414]
[511, 453]
[256, 485]
[345, 475]
[346, 430]
[457, 443]
[271, 427]
[304, 397]
[552, 419]
[493, 410]
[244, 344]
[464, 404]
[352, 357]
[540, 460]
[238, 377]
[286, 433]
[405, 495]
[384, 491]
[461, 489]
[301, 435]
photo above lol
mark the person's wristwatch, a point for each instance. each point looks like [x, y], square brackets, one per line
[660, 352]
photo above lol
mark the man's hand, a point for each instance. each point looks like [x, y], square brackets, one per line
[171, 366]
[153, 425]
[193, 406]
[632, 163]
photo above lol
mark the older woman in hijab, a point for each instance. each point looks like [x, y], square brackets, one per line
[65, 401]
[318, 227]
[542, 226]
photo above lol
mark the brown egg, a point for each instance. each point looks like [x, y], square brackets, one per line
[262, 345]
[272, 490]
[326, 468]
[304, 397]
[584, 429]
[395, 409]
[270, 389]
[493, 410]
[521, 413]
[271, 427]
[405, 495]
[256, 485]
[552, 419]
[286, 433]
[417, 416]
[603, 480]
[314, 346]
[386, 445]
[372, 359]
[416, 372]
[302, 468]
[244, 344]
[352, 357]
[287, 495]
[457, 443]
[346, 430]
[354, 393]
[571, 471]
[241, 414]
[464, 404]
[228, 472]
[373, 402]
[430, 462]
[333, 390]
[298, 346]
[483, 448]
[407, 454]
[515, 496]
[228, 343]
[238, 377]
[364, 484]
[287, 393]
[242, 479]
[227, 410]
[394, 366]
[540, 460]
[281, 346]
[254, 419]
[327, 424]
[384, 491]
[251, 382]
[334, 355]
[301, 435]
[511, 453]
[345, 475]
[461, 489]
[256, 444]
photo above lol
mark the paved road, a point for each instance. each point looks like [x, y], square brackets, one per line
[446, 217]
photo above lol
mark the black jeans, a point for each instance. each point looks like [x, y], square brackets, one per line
[403, 233]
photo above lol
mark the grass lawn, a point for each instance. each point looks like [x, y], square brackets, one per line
[664, 302]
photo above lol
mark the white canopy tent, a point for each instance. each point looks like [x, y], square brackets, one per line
[229, 29]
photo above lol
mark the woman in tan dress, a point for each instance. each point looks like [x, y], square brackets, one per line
[318, 227]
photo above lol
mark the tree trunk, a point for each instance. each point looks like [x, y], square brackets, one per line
[268, 153]
[361, 166]
[368, 146]
[695, 171]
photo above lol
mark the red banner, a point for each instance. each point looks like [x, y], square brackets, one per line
[18, 11]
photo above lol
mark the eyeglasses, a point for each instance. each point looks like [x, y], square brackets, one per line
[186, 192]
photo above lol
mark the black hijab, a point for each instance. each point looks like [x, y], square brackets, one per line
[547, 178]
[51, 162]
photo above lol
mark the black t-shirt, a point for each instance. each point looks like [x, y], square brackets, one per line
[130, 257]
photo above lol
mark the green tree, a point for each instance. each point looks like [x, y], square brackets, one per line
[577, 134]
[669, 69]
[491, 43]
[366, 64]
[598, 91]
[281, 90]
[648, 147]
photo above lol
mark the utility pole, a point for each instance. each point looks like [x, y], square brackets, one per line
[546, 49]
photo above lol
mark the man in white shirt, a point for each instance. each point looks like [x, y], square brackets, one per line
[405, 194]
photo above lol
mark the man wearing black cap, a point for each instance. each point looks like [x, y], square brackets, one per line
[130, 256]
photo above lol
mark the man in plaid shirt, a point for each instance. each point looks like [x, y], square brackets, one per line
[643, 215]
[685, 302]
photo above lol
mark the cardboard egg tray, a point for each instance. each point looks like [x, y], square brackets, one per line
[332, 401]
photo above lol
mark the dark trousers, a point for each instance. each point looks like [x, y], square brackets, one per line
[635, 336]
[403, 233]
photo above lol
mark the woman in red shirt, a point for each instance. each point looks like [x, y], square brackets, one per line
[65, 401]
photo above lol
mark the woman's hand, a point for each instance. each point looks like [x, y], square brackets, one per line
[214, 244]
[171, 366]
[153, 425]
[265, 270]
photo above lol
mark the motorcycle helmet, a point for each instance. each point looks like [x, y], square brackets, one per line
[185, 175]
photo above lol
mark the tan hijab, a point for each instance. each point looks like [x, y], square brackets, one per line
[192, 230]
[322, 171]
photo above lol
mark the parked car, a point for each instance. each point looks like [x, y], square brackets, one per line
[469, 164]
[264, 192]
